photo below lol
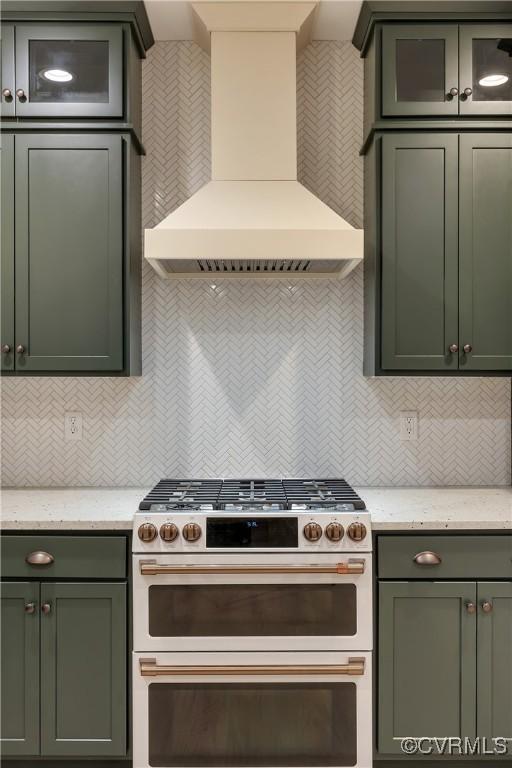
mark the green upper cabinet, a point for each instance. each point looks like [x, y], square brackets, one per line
[7, 260]
[83, 669]
[69, 252]
[19, 668]
[446, 70]
[486, 252]
[419, 70]
[427, 670]
[65, 70]
[419, 252]
[73, 61]
[7, 80]
[485, 65]
[438, 253]
[495, 660]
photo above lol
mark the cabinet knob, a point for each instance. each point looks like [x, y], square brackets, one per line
[486, 606]
[470, 607]
[20, 349]
[467, 348]
[30, 608]
[20, 93]
[453, 348]
[46, 608]
[468, 91]
[427, 558]
[6, 348]
[453, 92]
[7, 94]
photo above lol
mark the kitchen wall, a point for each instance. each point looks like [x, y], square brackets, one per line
[254, 378]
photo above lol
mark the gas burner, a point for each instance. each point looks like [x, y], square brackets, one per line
[252, 493]
[256, 506]
[331, 505]
[189, 506]
[322, 493]
[182, 494]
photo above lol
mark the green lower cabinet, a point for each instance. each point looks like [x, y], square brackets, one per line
[426, 658]
[495, 660]
[20, 668]
[83, 669]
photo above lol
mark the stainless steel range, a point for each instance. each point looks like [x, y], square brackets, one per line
[252, 625]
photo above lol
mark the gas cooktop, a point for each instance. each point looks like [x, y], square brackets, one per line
[238, 494]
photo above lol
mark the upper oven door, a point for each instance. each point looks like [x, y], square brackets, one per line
[267, 710]
[250, 603]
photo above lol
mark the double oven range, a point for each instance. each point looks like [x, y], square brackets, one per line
[252, 625]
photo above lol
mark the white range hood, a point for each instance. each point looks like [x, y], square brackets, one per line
[254, 219]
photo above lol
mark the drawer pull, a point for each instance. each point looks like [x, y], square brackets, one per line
[39, 558]
[427, 558]
[149, 668]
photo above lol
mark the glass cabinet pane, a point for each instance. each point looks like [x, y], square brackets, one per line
[209, 725]
[244, 610]
[69, 71]
[420, 70]
[492, 69]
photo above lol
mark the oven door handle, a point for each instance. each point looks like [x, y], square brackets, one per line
[152, 568]
[149, 668]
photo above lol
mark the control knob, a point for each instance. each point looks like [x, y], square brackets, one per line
[334, 531]
[147, 532]
[312, 531]
[168, 532]
[357, 531]
[191, 532]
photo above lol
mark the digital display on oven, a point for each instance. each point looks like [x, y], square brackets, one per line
[251, 532]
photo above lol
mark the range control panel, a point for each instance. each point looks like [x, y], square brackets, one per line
[217, 531]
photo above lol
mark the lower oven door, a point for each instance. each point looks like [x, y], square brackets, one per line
[262, 710]
[253, 603]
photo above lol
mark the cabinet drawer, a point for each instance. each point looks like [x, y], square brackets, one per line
[74, 557]
[461, 557]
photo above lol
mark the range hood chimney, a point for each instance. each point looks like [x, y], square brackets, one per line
[254, 219]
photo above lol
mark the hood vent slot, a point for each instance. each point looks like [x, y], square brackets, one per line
[242, 265]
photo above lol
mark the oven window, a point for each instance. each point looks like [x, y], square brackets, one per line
[247, 724]
[244, 610]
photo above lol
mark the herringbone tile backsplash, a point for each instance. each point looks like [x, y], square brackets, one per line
[254, 378]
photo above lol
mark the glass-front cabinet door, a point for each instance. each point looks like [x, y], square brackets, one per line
[69, 71]
[419, 70]
[486, 69]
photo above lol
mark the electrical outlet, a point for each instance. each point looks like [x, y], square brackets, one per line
[73, 426]
[408, 425]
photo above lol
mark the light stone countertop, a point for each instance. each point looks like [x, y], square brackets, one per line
[392, 509]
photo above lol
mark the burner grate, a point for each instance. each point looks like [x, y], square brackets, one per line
[321, 492]
[183, 493]
[219, 494]
[252, 493]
